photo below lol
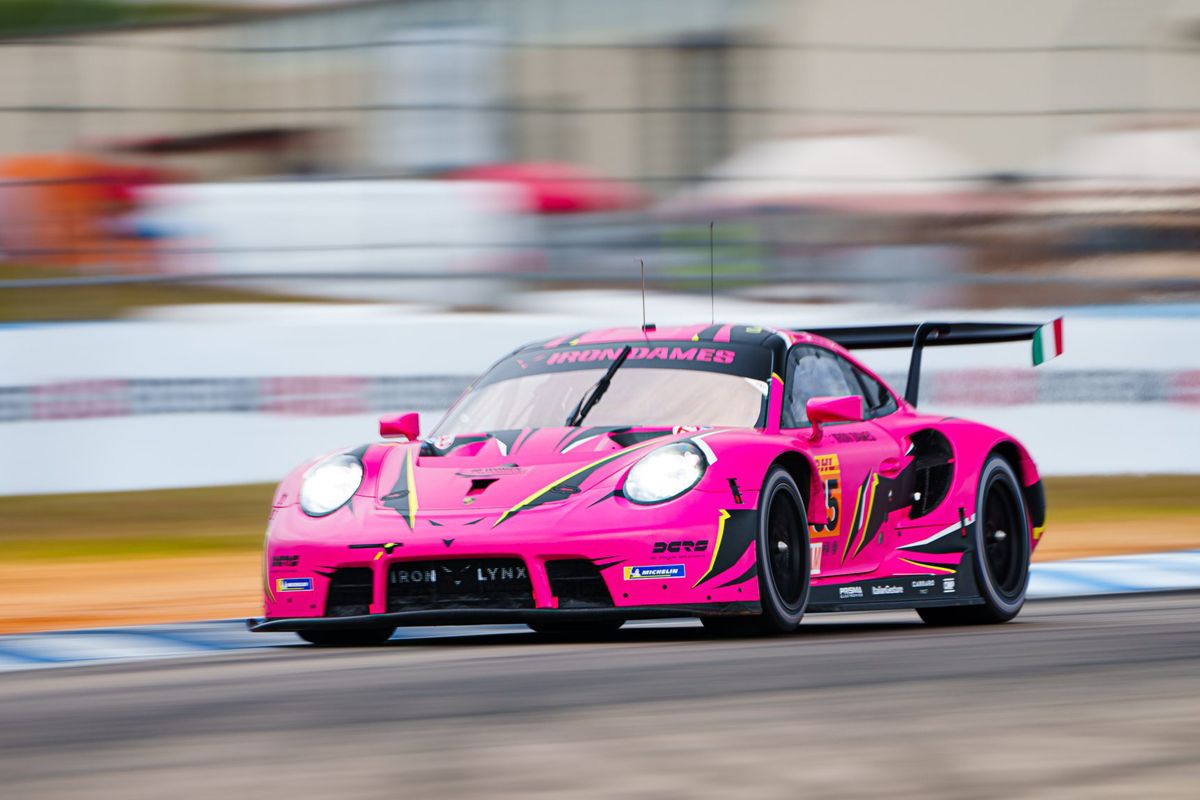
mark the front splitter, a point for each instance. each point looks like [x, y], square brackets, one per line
[500, 616]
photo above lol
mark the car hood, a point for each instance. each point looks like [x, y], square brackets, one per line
[504, 469]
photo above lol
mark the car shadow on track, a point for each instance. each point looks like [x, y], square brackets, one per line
[643, 634]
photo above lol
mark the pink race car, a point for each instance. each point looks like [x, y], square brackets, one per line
[739, 474]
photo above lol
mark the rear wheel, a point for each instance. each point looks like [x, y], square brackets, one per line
[783, 562]
[351, 637]
[1001, 551]
[597, 629]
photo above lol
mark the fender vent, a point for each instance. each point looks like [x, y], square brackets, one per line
[933, 469]
[577, 583]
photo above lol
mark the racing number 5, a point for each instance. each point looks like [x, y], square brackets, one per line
[833, 510]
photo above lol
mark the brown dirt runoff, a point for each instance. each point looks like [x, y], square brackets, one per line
[40, 595]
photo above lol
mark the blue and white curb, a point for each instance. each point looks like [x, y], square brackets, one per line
[1059, 579]
[112, 645]
[1082, 577]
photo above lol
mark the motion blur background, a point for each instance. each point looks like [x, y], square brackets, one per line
[232, 234]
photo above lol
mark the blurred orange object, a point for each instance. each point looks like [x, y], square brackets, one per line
[70, 210]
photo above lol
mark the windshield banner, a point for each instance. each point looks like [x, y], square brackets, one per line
[748, 361]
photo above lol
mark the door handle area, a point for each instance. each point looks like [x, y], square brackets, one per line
[890, 466]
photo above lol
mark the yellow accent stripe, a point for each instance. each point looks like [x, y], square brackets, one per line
[568, 476]
[723, 515]
[929, 566]
[1037, 533]
[266, 579]
[855, 528]
[412, 492]
[866, 520]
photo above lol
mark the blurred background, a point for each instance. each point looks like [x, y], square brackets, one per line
[232, 234]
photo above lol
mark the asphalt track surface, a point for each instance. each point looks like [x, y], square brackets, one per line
[1078, 698]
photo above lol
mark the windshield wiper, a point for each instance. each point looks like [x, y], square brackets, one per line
[596, 391]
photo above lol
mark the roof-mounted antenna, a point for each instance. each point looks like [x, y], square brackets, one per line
[712, 277]
[646, 326]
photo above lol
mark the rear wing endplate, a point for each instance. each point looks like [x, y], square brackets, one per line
[1047, 340]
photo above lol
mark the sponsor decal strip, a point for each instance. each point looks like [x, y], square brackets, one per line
[293, 585]
[655, 572]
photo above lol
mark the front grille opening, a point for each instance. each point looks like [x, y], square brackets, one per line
[350, 592]
[501, 583]
[577, 583]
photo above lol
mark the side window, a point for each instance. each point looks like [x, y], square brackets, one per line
[879, 401]
[813, 372]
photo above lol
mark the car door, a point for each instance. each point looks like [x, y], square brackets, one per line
[855, 462]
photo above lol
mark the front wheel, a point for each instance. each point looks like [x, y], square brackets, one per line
[783, 562]
[1001, 546]
[351, 637]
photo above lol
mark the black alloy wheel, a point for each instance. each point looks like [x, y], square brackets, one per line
[1002, 547]
[783, 562]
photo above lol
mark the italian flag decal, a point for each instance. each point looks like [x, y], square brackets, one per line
[1048, 342]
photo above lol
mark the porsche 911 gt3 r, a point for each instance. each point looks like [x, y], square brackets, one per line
[740, 474]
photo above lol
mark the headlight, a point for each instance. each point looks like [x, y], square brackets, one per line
[329, 484]
[665, 473]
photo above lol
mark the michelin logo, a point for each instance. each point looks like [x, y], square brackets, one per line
[293, 585]
[655, 573]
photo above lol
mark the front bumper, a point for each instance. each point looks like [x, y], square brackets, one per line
[306, 558]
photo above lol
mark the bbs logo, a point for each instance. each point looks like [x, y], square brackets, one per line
[698, 546]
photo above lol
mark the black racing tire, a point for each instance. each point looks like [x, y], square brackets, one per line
[784, 570]
[1001, 545]
[347, 637]
[577, 631]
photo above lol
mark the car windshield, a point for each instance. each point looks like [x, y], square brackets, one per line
[667, 386]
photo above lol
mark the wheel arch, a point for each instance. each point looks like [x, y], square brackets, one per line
[1023, 467]
[803, 472]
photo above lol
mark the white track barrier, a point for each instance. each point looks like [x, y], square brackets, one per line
[244, 397]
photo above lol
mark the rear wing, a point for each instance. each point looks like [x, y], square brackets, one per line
[1047, 340]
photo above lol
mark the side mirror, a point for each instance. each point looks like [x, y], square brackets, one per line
[833, 409]
[406, 425]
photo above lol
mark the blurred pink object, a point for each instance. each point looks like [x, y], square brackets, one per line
[558, 188]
